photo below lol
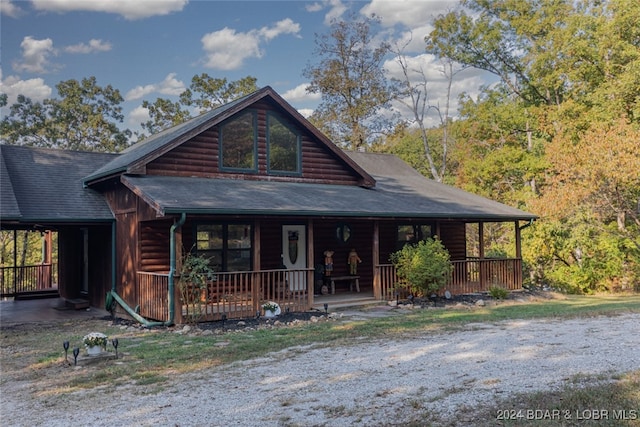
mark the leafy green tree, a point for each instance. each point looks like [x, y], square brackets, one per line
[558, 134]
[204, 93]
[84, 117]
[207, 93]
[424, 267]
[163, 114]
[350, 78]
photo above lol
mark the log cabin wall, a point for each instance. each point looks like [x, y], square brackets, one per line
[99, 264]
[388, 240]
[325, 238]
[154, 246]
[453, 237]
[124, 205]
[199, 157]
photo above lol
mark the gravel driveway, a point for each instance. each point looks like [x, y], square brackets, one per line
[367, 384]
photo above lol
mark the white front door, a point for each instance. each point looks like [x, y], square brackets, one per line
[294, 255]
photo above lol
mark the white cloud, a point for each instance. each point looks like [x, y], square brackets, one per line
[138, 115]
[306, 112]
[314, 7]
[169, 86]
[227, 49]
[95, 45]
[336, 9]
[8, 8]
[35, 55]
[286, 26]
[410, 13]
[36, 89]
[129, 9]
[299, 94]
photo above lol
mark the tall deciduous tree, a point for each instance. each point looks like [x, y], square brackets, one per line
[351, 80]
[84, 117]
[563, 119]
[204, 93]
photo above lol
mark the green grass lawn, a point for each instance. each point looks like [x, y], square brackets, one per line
[149, 357]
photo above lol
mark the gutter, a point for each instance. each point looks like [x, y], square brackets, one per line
[113, 296]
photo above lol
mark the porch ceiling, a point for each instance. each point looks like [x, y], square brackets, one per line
[399, 192]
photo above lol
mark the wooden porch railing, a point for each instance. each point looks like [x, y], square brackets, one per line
[469, 276]
[232, 294]
[153, 296]
[24, 279]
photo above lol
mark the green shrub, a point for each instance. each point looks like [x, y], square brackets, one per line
[498, 292]
[424, 268]
[194, 274]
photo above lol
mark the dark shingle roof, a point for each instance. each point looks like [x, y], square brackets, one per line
[46, 185]
[400, 192]
[9, 209]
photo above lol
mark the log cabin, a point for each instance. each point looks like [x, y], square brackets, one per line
[254, 187]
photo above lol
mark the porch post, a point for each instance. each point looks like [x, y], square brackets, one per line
[481, 254]
[375, 256]
[518, 241]
[310, 261]
[257, 282]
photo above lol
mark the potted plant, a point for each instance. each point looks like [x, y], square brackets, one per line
[95, 342]
[271, 309]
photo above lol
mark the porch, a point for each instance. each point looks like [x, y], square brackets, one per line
[29, 281]
[236, 295]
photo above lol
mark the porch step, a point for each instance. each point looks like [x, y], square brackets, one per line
[77, 303]
[53, 293]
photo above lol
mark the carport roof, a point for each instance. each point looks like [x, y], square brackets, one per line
[42, 185]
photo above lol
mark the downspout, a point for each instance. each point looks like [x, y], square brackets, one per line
[528, 224]
[113, 296]
[172, 266]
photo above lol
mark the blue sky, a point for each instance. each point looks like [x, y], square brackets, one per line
[152, 48]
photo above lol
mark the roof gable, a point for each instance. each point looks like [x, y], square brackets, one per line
[135, 159]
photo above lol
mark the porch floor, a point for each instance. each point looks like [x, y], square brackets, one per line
[44, 310]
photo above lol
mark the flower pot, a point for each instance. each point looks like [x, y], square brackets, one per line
[94, 350]
[269, 314]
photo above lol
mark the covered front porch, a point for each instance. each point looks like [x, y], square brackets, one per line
[241, 294]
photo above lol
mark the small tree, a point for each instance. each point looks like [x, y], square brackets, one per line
[194, 274]
[424, 267]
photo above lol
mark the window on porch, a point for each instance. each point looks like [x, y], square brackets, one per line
[227, 246]
[412, 233]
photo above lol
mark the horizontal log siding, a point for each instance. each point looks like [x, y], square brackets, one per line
[154, 246]
[200, 156]
[453, 237]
